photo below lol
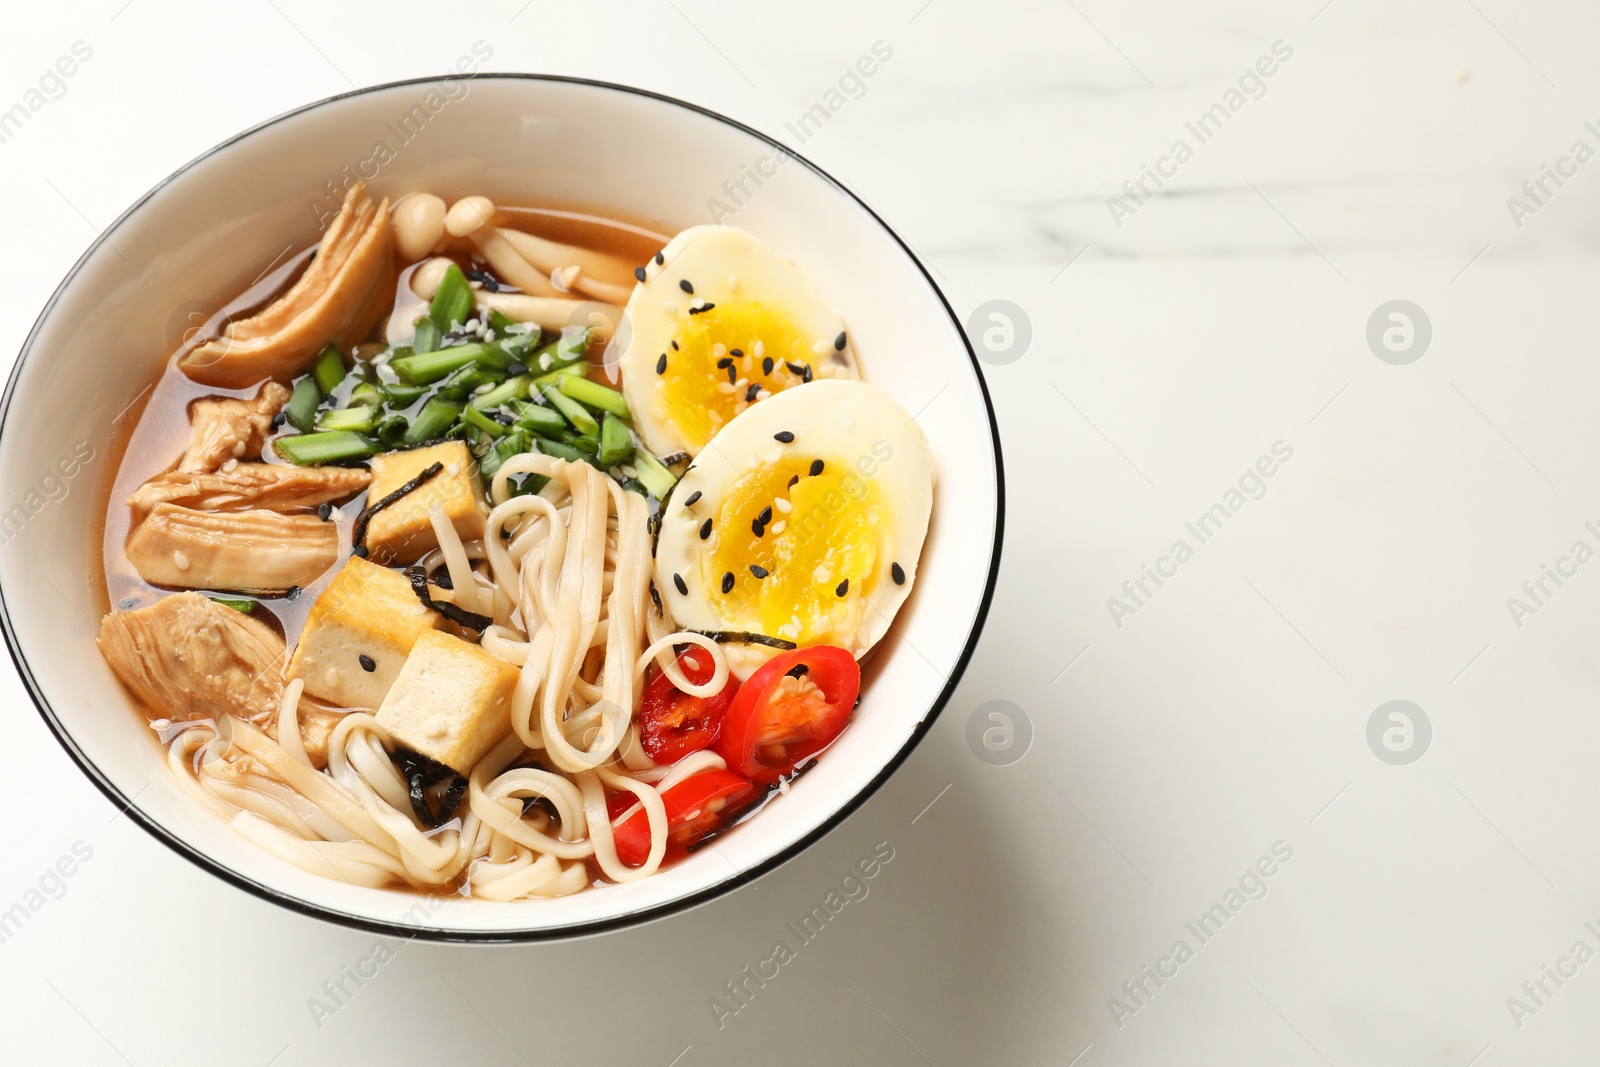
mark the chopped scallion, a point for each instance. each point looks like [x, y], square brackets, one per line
[332, 446]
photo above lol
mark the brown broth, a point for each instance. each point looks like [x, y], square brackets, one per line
[159, 430]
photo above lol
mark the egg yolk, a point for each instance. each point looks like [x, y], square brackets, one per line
[821, 551]
[699, 394]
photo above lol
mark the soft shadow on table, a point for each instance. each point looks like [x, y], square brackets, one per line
[952, 953]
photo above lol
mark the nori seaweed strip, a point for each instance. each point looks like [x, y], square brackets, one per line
[675, 458]
[422, 773]
[359, 534]
[655, 596]
[419, 585]
[740, 637]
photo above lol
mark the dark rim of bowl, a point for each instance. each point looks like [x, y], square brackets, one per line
[576, 930]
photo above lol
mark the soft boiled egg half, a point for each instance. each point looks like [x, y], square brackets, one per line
[801, 520]
[719, 323]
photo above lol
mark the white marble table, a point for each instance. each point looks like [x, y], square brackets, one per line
[1200, 768]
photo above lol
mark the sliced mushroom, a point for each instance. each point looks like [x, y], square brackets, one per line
[596, 274]
[187, 657]
[336, 301]
[471, 217]
[249, 551]
[224, 428]
[546, 312]
[250, 485]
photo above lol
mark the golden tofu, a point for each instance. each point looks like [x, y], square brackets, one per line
[403, 531]
[358, 635]
[452, 701]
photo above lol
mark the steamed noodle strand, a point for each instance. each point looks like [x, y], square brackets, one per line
[565, 575]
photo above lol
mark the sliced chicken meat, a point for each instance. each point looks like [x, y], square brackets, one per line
[223, 428]
[188, 657]
[348, 285]
[249, 551]
[250, 485]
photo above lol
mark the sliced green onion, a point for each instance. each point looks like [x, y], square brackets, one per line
[427, 338]
[527, 484]
[540, 419]
[330, 447]
[365, 393]
[566, 349]
[588, 444]
[403, 396]
[360, 419]
[329, 371]
[423, 368]
[237, 603]
[502, 325]
[556, 377]
[477, 419]
[655, 477]
[508, 390]
[392, 430]
[559, 450]
[616, 443]
[571, 410]
[452, 301]
[465, 382]
[595, 395]
[508, 446]
[301, 410]
[433, 421]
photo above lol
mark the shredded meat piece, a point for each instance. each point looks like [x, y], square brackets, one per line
[337, 301]
[249, 551]
[250, 485]
[222, 428]
[187, 657]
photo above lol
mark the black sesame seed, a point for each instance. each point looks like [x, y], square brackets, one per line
[842, 588]
[765, 516]
[361, 550]
[750, 393]
[725, 362]
[674, 346]
[736, 353]
[278, 420]
[767, 364]
[796, 368]
[758, 527]
[783, 435]
[799, 670]
[727, 582]
[515, 369]
[324, 511]
[705, 529]
[816, 467]
[733, 377]
[660, 259]
[683, 587]
[794, 481]
[759, 572]
[638, 272]
[661, 364]
[702, 309]
[128, 603]
[806, 377]
[292, 593]
[838, 342]
[368, 664]
[898, 573]
[693, 498]
[683, 283]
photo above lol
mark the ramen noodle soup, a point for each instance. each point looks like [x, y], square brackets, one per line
[509, 551]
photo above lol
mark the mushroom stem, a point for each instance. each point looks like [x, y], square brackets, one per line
[601, 276]
[551, 313]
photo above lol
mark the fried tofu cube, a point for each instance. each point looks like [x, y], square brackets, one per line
[452, 701]
[358, 635]
[403, 531]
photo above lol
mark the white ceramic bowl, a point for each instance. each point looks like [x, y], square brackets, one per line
[202, 235]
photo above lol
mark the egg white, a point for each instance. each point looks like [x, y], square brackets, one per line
[864, 438]
[727, 267]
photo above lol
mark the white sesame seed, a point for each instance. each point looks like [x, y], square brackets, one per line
[820, 347]
[733, 283]
[778, 527]
[759, 348]
[783, 505]
[332, 677]
[454, 469]
[180, 561]
[775, 455]
[719, 350]
[727, 387]
[671, 306]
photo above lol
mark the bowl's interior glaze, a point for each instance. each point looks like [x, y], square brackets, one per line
[204, 235]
